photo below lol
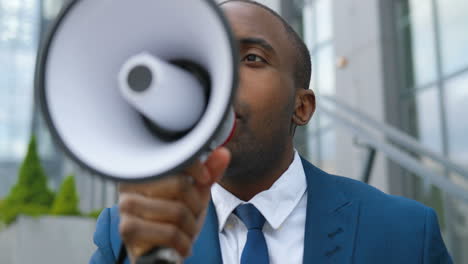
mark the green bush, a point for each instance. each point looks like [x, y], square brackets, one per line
[30, 195]
[9, 213]
[31, 187]
[66, 200]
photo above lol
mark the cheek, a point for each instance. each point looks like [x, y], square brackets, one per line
[266, 96]
[260, 89]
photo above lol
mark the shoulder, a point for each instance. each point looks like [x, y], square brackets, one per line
[386, 220]
[373, 199]
[383, 207]
[395, 219]
[369, 197]
[378, 211]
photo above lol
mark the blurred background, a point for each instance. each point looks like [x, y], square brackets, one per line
[391, 78]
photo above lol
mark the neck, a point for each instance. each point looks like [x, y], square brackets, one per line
[258, 180]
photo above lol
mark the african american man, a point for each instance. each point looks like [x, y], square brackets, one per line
[257, 201]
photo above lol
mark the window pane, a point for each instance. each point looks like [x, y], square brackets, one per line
[323, 121]
[312, 148]
[313, 125]
[454, 37]
[422, 118]
[46, 148]
[3, 141]
[456, 96]
[324, 20]
[325, 71]
[19, 26]
[456, 102]
[308, 22]
[329, 151]
[423, 41]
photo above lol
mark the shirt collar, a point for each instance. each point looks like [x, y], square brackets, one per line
[275, 204]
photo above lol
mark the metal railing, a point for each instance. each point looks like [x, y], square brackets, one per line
[395, 144]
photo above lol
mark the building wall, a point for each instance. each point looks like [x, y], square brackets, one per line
[401, 70]
[19, 26]
[361, 83]
[23, 24]
[431, 55]
[51, 240]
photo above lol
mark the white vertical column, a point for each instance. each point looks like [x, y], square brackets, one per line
[360, 84]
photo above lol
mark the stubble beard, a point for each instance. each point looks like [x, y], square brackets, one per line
[253, 157]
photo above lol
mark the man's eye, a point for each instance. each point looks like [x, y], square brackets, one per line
[253, 58]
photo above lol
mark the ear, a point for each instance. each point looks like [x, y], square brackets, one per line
[304, 106]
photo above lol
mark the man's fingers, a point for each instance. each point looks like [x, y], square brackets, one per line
[168, 187]
[141, 236]
[166, 211]
[199, 173]
[217, 162]
[169, 212]
[209, 172]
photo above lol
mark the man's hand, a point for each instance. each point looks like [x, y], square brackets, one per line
[169, 212]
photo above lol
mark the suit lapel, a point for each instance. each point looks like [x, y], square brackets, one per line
[206, 249]
[331, 221]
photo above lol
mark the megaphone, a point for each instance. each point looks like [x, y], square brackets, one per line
[137, 89]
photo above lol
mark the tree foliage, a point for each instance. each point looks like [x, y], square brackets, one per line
[31, 187]
[66, 200]
[30, 195]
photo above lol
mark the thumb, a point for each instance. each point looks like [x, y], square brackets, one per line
[214, 168]
[217, 163]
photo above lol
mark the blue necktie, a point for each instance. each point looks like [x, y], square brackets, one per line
[255, 249]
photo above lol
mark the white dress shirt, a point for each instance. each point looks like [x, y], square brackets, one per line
[284, 208]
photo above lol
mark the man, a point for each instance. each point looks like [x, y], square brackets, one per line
[257, 201]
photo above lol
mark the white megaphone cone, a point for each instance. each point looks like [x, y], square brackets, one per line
[138, 89]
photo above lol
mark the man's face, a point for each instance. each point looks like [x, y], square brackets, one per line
[266, 92]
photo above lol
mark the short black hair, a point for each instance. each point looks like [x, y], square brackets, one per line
[303, 65]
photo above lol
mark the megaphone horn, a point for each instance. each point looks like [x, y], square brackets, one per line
[135, 90]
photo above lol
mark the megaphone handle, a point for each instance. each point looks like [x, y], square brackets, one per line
[160, 255]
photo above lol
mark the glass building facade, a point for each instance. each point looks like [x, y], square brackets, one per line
[318, 35]
[434, 66]
[23, 24]
[433, 52]
[429, 45]
[19, 40]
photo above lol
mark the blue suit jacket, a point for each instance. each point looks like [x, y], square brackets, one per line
[347, 222]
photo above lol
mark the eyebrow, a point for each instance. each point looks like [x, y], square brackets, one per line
[257, 41]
